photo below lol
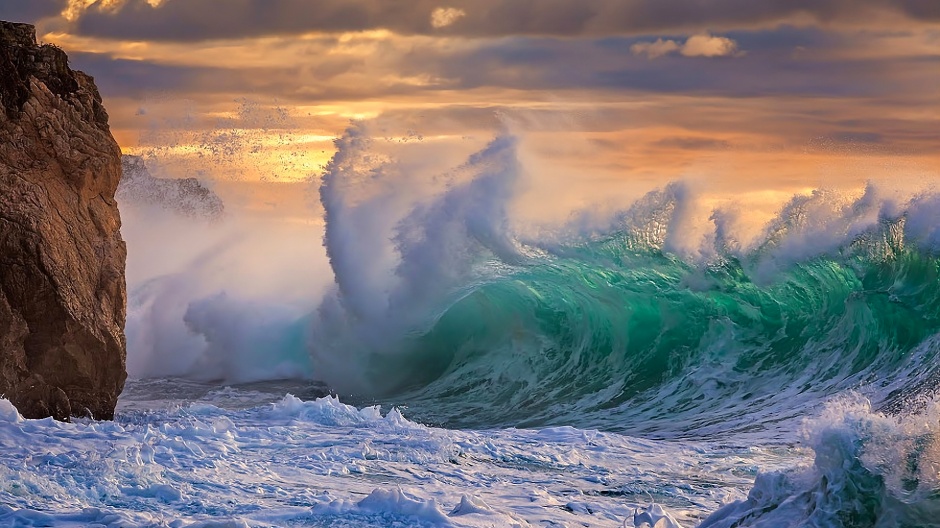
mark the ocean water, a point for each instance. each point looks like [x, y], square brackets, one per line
[228, 459]
[456, 370]
[190, 454]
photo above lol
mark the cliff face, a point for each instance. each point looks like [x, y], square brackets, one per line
[62, 291]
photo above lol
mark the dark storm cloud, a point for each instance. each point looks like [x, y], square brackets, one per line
[132, 78]
[751, 76]
[538, 63]
[786, 39]
[191, 20]
[309, 84]
[770, 67]
[29, 11]
[846, 136]
[693, 143]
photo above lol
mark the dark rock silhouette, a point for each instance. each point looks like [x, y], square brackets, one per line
[186, 196]
[62, 289]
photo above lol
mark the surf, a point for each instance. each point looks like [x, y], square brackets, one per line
[432, 294]
[470, 324]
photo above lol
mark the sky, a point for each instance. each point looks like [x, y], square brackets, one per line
[760, 99]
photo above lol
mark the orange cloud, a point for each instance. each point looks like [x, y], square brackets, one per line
[705, 45]
[655, 49]
[700, 45]
[774, 118]
[445, 16]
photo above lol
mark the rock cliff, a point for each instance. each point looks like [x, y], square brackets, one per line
[184, 196]
[62, 290]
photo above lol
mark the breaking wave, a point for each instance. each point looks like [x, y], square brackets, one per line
[630, 325]
[439, 299]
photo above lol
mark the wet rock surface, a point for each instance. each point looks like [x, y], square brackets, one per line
[62, 287]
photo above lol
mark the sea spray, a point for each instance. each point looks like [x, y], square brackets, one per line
[397, 261]
[220, 301]
[870, 471]
[635, 327]
[439, 298]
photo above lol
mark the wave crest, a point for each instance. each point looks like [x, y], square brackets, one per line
[634, 324]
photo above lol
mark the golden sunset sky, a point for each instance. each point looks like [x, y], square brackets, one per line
[761, 98]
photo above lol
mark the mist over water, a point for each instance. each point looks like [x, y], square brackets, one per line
[213, 300]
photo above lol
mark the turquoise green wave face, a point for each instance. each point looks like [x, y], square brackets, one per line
[441, 307]
[609, 334]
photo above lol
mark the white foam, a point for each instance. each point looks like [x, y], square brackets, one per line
[401, 243]
[654, 516]
[869, 468]
[325, 463]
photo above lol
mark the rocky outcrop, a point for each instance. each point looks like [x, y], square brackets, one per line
[62, 291]
[185, 196]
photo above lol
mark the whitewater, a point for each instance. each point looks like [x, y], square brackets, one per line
[460, 367]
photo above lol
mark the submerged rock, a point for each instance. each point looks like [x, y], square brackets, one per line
[62, 290]
[186, 196]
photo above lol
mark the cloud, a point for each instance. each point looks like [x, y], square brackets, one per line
[655, 49]
[445, 16]
[134, 78]
[701, 45]
[693, 143]
[705, 45]
[195, 20]
[29, 11]
[848, 136]
[390, 69]
[75, 8]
